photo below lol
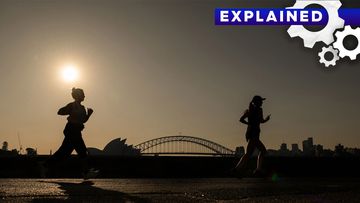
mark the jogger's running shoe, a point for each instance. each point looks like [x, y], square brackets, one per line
[91, 173]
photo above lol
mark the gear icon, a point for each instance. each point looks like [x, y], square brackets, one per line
[326, 34]
[331, 50]
[339, 43]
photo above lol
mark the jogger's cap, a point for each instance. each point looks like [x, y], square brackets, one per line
[258, 98]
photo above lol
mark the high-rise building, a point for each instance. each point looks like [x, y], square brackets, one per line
[283, 147]
[308, 147]
[284, 150]
[339, 150]
[295, 149]
[319, 149]
[5, 146]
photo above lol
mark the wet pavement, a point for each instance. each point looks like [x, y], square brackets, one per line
[181, 190]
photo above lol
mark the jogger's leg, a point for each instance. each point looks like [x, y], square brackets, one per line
[81, 150]
[262, 152]
[244, 159]
[64, 151]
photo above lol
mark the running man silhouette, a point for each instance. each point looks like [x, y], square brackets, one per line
[77, 116]
[253, 117]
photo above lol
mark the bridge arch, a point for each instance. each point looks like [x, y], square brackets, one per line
[214, 147]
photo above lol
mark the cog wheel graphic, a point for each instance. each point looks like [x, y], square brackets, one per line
[340, 36]
[331, 62]
[326, 34]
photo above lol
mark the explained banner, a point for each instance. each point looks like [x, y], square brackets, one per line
[278, 16]
[339, 24]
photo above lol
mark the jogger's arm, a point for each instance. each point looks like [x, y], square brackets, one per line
[65, 110]
[243, 117]
[89, 113]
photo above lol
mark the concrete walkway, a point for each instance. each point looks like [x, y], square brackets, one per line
[180, 190]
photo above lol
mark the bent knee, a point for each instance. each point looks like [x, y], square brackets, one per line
[263, 152]
[246, 155]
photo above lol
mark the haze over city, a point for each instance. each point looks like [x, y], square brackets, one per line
[163, 68]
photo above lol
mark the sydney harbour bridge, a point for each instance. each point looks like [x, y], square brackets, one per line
[183, 145]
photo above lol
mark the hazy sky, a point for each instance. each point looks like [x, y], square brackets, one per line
[156, 68]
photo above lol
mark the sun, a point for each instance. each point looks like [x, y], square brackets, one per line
[69, 73]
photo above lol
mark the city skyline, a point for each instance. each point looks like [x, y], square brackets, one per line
[309, 148]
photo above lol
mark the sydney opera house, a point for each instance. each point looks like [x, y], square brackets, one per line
[116, 147]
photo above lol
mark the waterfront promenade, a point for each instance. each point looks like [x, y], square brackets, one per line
[181, 190]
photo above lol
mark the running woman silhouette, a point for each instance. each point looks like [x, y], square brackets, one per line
[77, 116]
[253, 117]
